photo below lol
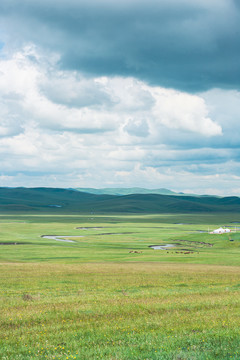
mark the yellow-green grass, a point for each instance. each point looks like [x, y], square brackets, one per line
[94, 299]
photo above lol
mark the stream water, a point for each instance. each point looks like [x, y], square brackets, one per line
[61, 237]
[162, 247]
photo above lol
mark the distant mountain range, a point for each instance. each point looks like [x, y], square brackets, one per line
[128, 191]
[63, 201]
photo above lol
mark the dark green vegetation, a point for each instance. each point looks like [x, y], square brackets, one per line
[58, 201]
[109, 296]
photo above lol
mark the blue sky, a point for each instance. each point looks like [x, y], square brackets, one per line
[136, 93]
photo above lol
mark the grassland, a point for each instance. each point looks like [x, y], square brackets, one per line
[109, 296]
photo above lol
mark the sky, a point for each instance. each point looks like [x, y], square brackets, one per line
[100, 93]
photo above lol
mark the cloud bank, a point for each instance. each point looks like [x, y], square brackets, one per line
[188, 45]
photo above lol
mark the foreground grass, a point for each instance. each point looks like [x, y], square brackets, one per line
[112, 311]
[93, 299]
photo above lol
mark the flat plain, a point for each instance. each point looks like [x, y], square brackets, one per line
[108, 295]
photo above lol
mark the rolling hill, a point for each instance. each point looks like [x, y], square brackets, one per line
[55, 200]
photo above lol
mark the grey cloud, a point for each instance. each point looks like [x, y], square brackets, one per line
[10, 128]
[182, 44]
[12, 96]
[11, 122]
[225, 107]
[73, 93]
[138, 127]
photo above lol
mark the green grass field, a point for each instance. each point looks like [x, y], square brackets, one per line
[108, 295]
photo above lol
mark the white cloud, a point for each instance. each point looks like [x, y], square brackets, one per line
[183, 111]
[65, 100]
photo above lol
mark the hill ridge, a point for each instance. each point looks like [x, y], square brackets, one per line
[127, 191]
[59, 200]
